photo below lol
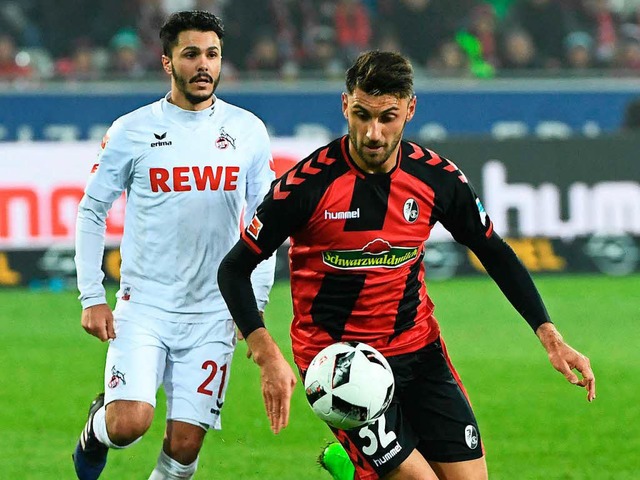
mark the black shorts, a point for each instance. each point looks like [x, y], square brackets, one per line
[430, 411]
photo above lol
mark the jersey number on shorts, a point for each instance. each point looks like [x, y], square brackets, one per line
[385, 438]
[210, 364]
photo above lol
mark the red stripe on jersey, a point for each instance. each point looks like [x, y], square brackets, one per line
[490, 231]
[250, 243]
[417, 152]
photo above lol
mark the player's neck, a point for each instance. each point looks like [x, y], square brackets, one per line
[181, 101]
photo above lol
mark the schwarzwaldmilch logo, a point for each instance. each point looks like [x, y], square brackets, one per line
[161, 140]
[375, 254]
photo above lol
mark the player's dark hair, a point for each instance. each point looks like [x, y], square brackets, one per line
[381, 73]
[189, 20]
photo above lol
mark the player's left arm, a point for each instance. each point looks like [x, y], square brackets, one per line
[470, 225]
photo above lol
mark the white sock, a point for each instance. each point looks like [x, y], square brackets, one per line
[170, 469]
[100, 430]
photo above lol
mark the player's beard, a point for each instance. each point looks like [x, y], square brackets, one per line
[183, 85]
[373, 162]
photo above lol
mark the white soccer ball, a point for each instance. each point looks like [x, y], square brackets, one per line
[349, 385]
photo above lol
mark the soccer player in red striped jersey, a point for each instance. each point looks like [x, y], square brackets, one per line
[358, 212]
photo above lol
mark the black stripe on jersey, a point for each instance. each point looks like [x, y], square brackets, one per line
[371, 196]
[335, 300]
[408, 305]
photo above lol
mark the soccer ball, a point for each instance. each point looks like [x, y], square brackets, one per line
[349, 385]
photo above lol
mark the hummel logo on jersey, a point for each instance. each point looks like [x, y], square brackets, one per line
[225, 140]
[160, 143]
[342, 215]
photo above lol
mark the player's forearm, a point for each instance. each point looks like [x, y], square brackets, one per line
[263, 347]
[234, 281]
[513, 279]
[90, 239]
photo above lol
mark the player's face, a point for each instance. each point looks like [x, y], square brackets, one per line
[376, 123]
[194, 67]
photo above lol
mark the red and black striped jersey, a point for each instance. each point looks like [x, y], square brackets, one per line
[357, 244]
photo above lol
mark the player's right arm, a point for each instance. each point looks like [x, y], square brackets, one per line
[278, 216]
[106, 184]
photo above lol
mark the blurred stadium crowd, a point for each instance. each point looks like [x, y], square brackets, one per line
[288, 39]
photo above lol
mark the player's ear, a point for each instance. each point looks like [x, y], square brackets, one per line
[345, 105]
[166, 64]
[411, 108]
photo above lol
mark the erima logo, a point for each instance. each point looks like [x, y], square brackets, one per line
[160, 136]
[342, 215]
[471, 436]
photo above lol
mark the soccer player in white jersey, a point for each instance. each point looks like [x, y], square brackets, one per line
[191, 165]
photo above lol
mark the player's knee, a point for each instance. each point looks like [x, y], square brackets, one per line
[183, 449]
[128, 421]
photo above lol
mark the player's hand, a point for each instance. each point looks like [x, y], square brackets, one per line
[276, 377]
[566, 359]
[98, 321]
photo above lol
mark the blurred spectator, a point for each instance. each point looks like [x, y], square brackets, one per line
[628, 56]
[322, 57]
[450, 60]
[519, 51]
[125, 50]
[421, 25]
[500, 7]
[11, 68]
[353, 27]
[482, 23]
[293, 19]
[596, 18]
[241, 20]
[82, 65]
[579, 48]
[547, 25]
[264, 57]
[17, 20]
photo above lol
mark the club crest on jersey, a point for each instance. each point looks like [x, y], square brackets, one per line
[410, 210]
[376, 254]
[254, 228]
[126, 294]
[225, 140]
[117, 377]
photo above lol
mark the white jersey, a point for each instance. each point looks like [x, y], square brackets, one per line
[188, 177]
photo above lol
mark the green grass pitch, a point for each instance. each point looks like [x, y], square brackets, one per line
[534, 424]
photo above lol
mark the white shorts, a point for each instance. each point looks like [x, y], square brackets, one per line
[191, 360]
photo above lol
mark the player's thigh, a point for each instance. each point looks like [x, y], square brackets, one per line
[435, 404]
[467, 470]
[135, 362]
[415, 467]
[197, 374]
